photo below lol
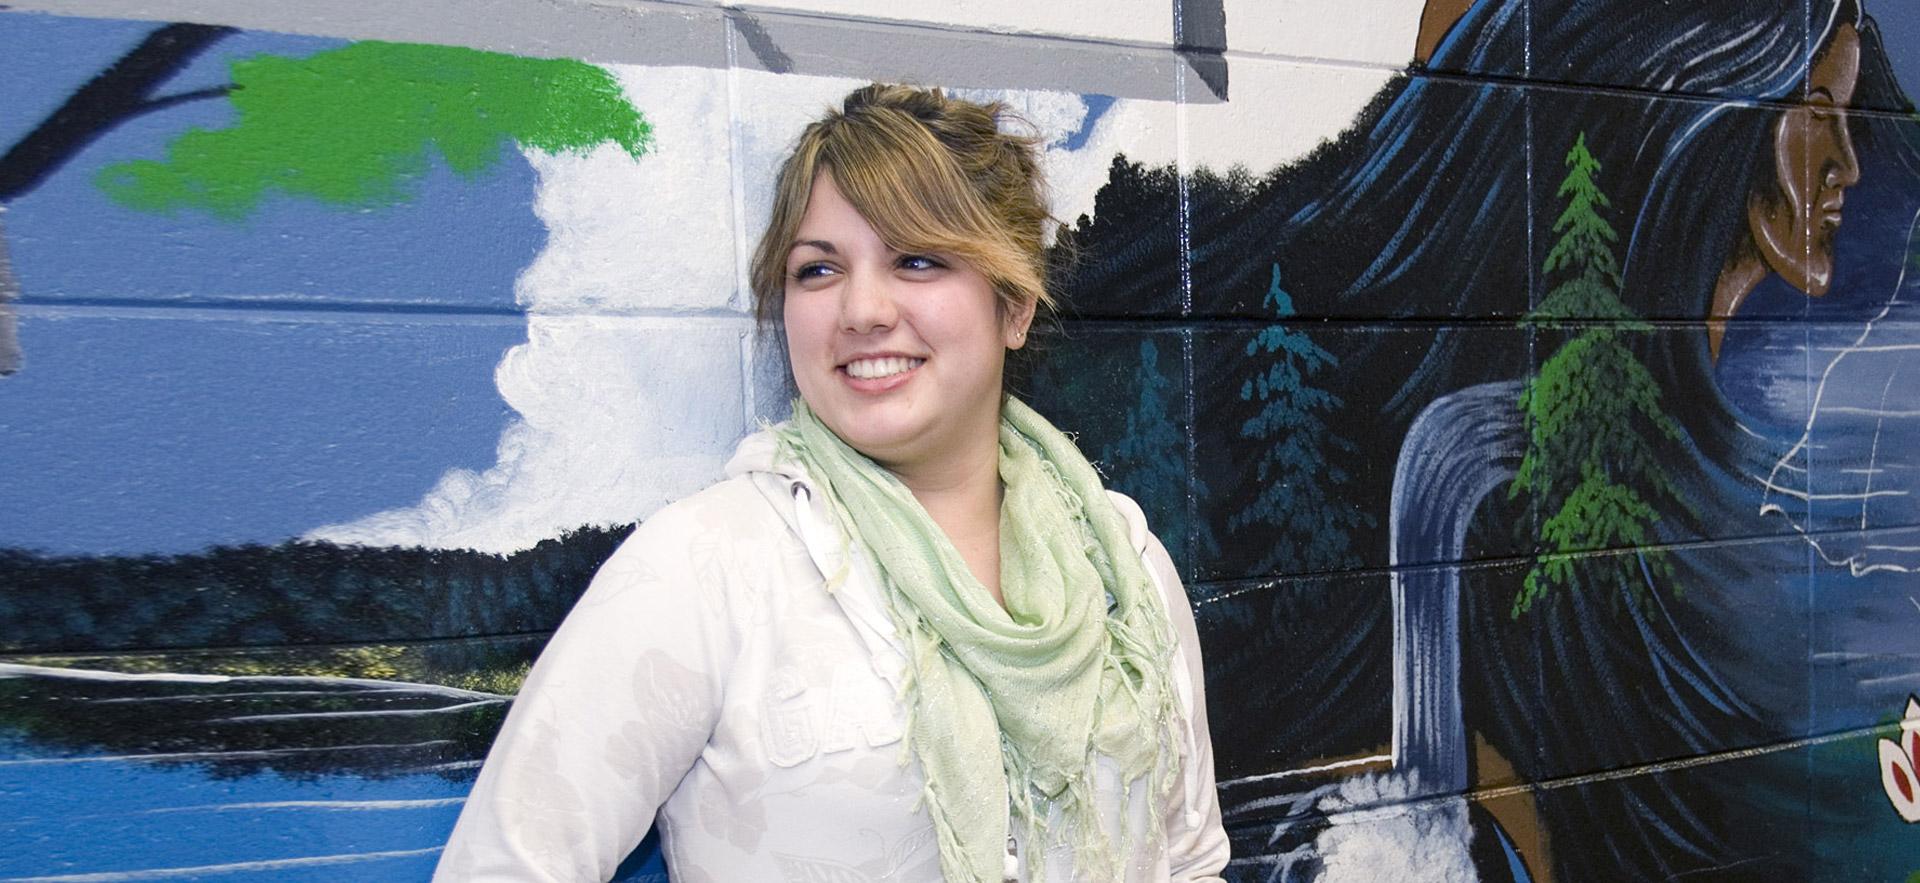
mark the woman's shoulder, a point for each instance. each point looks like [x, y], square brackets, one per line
[735, 500]
[1137, 531]
[726, 523]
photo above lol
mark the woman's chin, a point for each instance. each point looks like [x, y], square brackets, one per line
[1816, 280]
[871, 430]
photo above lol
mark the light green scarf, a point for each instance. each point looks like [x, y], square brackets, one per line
[1008, 707]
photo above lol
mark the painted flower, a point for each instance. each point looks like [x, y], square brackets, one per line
[1897, 762]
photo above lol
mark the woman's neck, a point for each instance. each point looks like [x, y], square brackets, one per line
[961, 493]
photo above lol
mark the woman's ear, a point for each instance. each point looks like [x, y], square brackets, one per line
[1015, 323]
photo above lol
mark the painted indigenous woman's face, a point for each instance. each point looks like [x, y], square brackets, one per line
[1814, 163]
[900, 354]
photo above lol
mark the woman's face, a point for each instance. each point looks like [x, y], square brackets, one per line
[1814, 164]
[899, 354]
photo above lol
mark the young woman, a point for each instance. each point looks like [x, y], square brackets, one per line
[910, 637]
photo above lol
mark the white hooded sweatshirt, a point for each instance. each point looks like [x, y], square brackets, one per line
[708, 682]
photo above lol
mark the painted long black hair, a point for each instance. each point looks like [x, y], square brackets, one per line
[1439, 205]
[1424, 210]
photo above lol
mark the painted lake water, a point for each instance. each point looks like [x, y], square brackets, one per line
[113, 777]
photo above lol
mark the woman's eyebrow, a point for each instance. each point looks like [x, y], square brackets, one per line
[821, 244]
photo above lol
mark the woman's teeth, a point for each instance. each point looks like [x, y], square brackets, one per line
[869, 369]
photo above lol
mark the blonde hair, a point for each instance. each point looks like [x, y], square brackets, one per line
[930, 174]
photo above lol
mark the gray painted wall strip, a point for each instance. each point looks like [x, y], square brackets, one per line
[695, 35]
[762, 44]
[656, 34]
[966, 59]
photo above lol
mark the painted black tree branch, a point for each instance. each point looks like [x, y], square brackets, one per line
[166, 101]
[118, 93]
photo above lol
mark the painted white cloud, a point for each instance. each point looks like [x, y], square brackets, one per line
[629, 390]
[616, 416]
[655, 234]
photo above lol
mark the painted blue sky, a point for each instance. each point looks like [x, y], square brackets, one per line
[457, 242]
[175, 428]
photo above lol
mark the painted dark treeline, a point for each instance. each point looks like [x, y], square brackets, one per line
[293, 593]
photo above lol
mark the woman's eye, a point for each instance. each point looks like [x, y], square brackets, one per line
[811, 271]
[919, 262]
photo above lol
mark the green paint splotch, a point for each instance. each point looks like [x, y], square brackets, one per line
[356, 126]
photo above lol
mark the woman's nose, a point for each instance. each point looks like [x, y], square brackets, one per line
[866, 303]
[1844, 170]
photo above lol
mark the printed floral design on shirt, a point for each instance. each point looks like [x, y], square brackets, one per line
[674, 700]
[907, 853]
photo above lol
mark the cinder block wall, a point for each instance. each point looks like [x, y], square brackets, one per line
[1524, 387]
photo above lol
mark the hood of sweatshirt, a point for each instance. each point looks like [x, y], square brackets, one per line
[851, 576]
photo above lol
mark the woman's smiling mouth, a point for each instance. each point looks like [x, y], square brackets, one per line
[881, 367]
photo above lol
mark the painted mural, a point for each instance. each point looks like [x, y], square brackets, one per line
[1525, 388]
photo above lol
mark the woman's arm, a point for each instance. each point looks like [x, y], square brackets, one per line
[614, 713]
[1197, 848]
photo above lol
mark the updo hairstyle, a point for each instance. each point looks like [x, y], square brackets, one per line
[930, 174]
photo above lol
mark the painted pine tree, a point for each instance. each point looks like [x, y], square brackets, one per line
[1299, 487]
[1594, 418]
[1149, 460]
